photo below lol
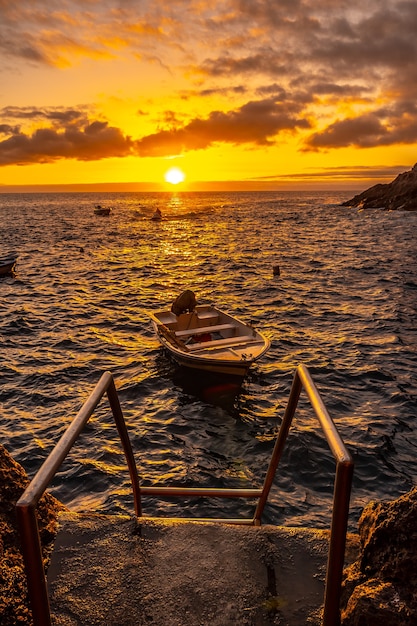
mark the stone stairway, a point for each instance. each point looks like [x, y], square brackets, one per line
[111, 571]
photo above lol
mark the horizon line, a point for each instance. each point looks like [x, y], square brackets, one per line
[183, 187]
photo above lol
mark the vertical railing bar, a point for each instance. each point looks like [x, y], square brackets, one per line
[127, 447]
[336, 555]
[278, 447]
[32, 556]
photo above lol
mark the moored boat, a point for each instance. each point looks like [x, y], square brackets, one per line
[7, 265]
[157, 216]
[101, 210]
[207, 338]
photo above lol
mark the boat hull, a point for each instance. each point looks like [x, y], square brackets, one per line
[210, 340]
[99, 210]
[7, 266]
[214, 388]
[212, 365]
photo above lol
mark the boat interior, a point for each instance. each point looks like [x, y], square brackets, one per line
[205, 324]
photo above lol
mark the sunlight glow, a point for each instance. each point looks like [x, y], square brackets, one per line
[174, 176]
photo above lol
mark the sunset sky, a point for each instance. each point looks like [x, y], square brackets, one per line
[275, 94]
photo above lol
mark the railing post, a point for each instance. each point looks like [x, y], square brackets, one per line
[336, 556]
[32, 556]
[127, 447]
[278, 447]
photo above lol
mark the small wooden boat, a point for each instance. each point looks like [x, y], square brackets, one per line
[209, 339]
[7, 265]
[101, 210]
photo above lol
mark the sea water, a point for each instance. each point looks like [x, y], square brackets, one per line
[344, 304]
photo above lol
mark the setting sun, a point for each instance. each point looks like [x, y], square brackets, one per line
[174, 176]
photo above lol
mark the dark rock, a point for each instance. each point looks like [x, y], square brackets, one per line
[400, 194]
[381, 587]
[14, 606]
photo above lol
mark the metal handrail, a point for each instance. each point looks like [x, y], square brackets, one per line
[26, 506]
[341, 491]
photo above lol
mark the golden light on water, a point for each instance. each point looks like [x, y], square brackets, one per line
[174, 176]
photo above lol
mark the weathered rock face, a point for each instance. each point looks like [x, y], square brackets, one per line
[401, 194]
[381, 587]
[14, 608]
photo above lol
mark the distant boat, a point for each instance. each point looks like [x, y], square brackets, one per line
[157, 216]
[101, 210]
[7, 265]
[209, 339]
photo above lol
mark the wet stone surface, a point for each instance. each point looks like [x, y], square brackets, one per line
[109, 570]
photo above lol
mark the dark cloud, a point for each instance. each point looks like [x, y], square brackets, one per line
[361, 53]
[52, 114]
[366, 129]
[6, 129]
[215, 91]
[383, 127]
[257, 122]
[266, 63]
[94, 141]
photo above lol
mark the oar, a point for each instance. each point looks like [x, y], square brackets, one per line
[171, 337]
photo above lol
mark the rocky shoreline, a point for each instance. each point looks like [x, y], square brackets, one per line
[379, 588]
[14, 605]
[399, 195]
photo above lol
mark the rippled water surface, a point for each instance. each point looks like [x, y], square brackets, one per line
[344, 304]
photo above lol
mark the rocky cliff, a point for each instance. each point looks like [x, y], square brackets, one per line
[381, 586]
[400, 194]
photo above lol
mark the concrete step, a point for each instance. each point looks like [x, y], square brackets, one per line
[111, 571]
